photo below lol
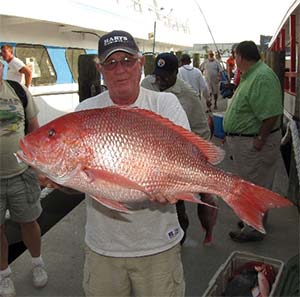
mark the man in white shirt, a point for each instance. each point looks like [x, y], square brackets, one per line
[194, 77]
[212, 72]
[139, 253]
[16, 68]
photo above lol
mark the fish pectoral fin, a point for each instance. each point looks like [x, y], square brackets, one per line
[191, 198]
[112, 204]
[102, 175]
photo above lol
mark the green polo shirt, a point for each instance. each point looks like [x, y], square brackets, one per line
[258, 97]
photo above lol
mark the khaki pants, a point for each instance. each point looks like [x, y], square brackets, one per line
[251, 165]
[159, 275]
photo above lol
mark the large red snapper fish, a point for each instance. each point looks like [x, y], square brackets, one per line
[119, 155]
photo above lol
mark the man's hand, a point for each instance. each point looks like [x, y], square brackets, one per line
[164, 199]
[46, 182]
[258, 143]
[208, 104]
[264, 131]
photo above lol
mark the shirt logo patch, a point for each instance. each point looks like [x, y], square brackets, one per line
[173, 233]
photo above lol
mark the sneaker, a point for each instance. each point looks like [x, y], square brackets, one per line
[7, 288]
[242, 236]
[40, 277]
[241, 224]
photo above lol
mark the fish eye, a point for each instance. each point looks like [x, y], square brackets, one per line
[51, 132]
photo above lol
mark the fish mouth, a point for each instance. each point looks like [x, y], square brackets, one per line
[21, 157]
[28, 156]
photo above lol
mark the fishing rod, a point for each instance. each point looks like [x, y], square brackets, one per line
[210, 32]
[226, 86]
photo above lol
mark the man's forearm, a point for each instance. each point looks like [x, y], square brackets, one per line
[267, 126]
[264, 131]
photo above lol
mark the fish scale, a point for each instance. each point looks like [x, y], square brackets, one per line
[120, 155]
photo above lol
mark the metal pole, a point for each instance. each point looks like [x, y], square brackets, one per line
[154, 33]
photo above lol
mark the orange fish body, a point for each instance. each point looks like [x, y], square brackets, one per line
[125, 155]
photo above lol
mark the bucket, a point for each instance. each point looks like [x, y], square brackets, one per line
[218, 283]
[218, 125]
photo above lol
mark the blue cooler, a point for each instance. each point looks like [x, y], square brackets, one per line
[218, 125]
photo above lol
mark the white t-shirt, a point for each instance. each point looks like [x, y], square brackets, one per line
[145, 231]
[211, 68]
[13, 70]
[194, 77]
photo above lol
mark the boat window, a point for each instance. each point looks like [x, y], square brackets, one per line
[72, 55]
[37, 58]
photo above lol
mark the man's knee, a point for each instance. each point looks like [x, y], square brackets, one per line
[29, 225]
[2, 230]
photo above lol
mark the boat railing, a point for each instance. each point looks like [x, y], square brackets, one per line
[55, 93]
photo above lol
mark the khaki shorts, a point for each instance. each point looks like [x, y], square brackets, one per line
[21, 196]
[156, 275]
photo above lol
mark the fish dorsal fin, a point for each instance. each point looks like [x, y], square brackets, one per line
[213, 153]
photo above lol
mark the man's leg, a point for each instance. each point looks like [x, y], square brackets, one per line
[105, 276]
[256, 167]
[215, 100]
[158, 275]
[182, 218]
[7, 288]
[25, 208]
[31, 234]
[4, 249]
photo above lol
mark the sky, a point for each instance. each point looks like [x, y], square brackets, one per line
[230, 20]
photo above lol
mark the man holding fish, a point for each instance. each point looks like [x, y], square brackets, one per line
[137, 253]
[130, 150]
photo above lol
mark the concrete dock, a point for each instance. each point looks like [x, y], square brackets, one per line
[63, 247]
[63, 251]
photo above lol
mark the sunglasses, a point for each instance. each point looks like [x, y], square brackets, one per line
[126, 62]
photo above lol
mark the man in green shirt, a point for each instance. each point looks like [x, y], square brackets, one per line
[252, 125]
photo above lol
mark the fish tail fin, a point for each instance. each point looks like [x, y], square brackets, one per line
[250, 202]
